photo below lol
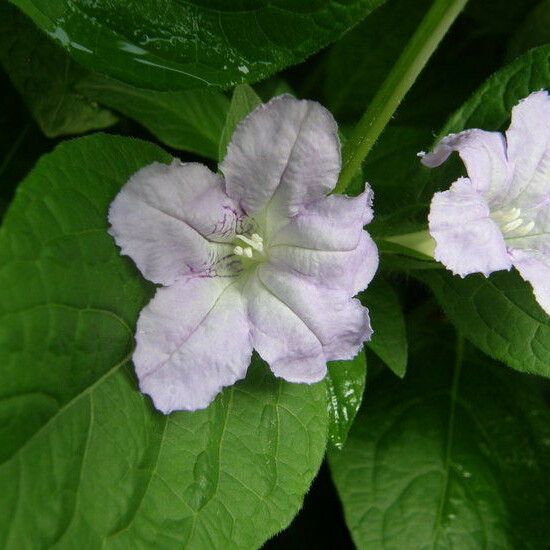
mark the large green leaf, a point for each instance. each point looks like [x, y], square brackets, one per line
[457, 455]
[498, 314]
[46, 77]
[345, 387]
[67, 99]
[176, 44]
[85, 458]
[389, 340]
[190, 120]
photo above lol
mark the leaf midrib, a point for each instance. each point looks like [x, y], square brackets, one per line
[113, 370]
[449, 443]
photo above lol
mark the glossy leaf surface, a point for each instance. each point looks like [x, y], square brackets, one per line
[345, 388]
[180, 45]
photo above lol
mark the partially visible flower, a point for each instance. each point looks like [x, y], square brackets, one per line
[259, 257]
[499, 216]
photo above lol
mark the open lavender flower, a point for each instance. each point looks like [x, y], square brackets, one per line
[257, 258]
[499, 216]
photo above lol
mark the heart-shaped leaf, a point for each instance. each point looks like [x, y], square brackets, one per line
[84, 456]
[456, 455]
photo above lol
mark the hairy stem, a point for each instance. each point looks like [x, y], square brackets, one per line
[412, 60]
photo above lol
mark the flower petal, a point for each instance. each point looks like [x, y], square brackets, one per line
[298, 326]
[467, 239]
[286, 147]
[171, 219]
[193, 339]
[534, 267]
[483, 153]
[529, 148]
[281, 338]
[331, 223]
[348, 270]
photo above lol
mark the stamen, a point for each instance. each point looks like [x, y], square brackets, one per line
[525, 230]
[238, 250]
[529, 227]
[510, 226]
[506, 215]
[254, 241]
[248, 252]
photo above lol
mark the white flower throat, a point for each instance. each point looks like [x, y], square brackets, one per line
[511, 222]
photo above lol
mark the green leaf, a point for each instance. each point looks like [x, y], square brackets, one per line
[389, 340]
[191, 120]
[490, 107]
[46, 77]
[498, 314]
[181, 45]
[455, 456]
[243, 101]
[85, 458]
[345, 383]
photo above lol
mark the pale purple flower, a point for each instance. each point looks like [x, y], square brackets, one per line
[257, 258]
[499, 216]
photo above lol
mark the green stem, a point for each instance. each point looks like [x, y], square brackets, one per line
[414, 57]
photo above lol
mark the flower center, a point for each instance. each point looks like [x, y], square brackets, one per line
[511, 222]
[253, 248]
